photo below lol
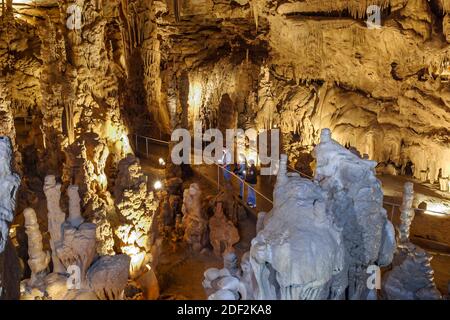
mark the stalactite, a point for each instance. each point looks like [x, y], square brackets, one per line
[254, 5]
[446, 5]
[176, 7]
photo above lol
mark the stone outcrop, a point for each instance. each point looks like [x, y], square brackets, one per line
[223, 234]
[78, 273]
[411, 276]
[136, 207]
[9, 184]
[38, 259]
[300, 244]
[194, 223]
[354, 197]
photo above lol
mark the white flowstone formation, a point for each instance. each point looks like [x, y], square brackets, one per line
[231, 283]
[56, 218]
[38, 260]
[299, 254]
[9, 184]
[320, 237]
[406, 212]
[355, 200]
[411, 277]
[221, 285]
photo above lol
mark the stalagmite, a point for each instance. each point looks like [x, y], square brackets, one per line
[300, 243]
[406, 213]
[354, 197]
[56, 219]
[223, 234]
[136, 206]
[194, 223]
[411, 277]
[38, 259]
[75, 218]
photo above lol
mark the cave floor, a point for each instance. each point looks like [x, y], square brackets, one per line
[180, 271]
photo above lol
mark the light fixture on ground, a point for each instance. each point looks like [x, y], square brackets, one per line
[157, 185]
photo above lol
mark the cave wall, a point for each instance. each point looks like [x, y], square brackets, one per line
[322, 67]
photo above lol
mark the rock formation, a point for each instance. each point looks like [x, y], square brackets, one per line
[299, 254]
[136, 207]
[406, 213]
[9, 184]
[354, 197]
[223, 234]
[411, 276]
[89, 74]
[80, 274]
[194, 223]
[56, 218]
[314, 243]
[38, 259]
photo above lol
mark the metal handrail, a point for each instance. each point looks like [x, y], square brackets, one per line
[152, 139]
[242, 180]
[415, 209]
[393, 205]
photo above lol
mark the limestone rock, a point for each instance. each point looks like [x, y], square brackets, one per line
[194, 223]
[108, 276]
[299, 243]
[136, 206]
[223, 234]
[9, 184]
[354, 197]
[56, 218]
[38, 259]
[411, 277]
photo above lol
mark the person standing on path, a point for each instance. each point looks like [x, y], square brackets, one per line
[226, 163]
[251, 178]
[240, 171]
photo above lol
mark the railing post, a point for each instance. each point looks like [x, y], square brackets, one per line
[218, 178]
[136, 143]
[392, 213]
[146, 147]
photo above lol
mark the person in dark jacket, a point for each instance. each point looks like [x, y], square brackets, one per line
[240, 171]
[251, 178]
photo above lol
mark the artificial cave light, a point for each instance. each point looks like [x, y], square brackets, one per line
[157, 185]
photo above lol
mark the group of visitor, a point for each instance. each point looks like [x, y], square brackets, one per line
[245, 173]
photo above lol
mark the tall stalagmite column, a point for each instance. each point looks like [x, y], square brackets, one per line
[38, 259]
[56, 218]
[407, 214]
